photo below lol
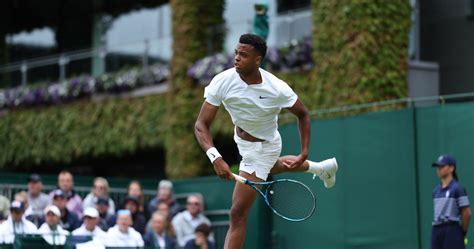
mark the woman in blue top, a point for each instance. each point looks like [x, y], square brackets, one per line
[451, 207]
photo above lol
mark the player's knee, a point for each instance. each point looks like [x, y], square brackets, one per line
[238, 213]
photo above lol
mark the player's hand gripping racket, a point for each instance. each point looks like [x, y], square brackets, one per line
[289, 199]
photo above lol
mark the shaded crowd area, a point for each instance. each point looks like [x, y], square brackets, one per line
[62, 217]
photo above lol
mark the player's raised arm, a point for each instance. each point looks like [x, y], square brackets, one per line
[304, 125]
[203, 135]
[203, 124]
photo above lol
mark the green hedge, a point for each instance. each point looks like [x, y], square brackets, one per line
[360, 48]
[61, 134]
[192, 32]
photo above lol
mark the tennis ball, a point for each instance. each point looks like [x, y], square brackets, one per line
[271, 192]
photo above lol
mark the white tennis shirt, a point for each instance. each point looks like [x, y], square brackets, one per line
[254, 108]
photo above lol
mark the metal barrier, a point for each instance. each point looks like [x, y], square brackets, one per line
[64, 59]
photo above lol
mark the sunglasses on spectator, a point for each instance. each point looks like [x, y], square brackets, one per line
[194, 203]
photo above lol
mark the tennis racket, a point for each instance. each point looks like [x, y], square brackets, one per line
[289, 199]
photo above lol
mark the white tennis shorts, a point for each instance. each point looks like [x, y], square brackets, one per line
[258, 157]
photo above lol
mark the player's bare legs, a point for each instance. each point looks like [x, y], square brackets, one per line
[326, 170]
[280, 165]
[242, 201]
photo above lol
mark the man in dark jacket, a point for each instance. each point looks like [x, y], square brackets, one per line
[160, 236]
[69, 220]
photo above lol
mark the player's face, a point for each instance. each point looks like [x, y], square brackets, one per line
[246, 59]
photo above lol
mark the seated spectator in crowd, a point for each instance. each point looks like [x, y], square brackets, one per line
[89, 226]
[201, 241]
[102, 206]
[164, 195]
[122, 234]
[22, 197]
[159, 236]
[16, 224]
[138, 219]
[66, 184]
[37, 200]
[135, 189]
[186, 222]
[4, 208]
[164, 210]
[69, 220]
[100, 189]
[51, 230]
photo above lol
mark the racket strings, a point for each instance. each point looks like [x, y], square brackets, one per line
[291, 200]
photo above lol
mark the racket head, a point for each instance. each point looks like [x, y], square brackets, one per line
[290, 199]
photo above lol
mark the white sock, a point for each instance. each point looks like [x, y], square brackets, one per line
[314, 168]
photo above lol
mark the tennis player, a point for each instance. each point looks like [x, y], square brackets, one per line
[254, 97]
[452, 213]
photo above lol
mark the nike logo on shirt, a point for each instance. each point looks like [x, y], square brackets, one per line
[262, 97]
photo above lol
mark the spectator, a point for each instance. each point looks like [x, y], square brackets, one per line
[138, 219]
[23, 198]
[37, 200]
[52, 232]
[89, 226]
[122, 234]
[16, 224]
[164, 210]
[159, 236]
[135, 189]
[99, 189]
[186, 222]
[4, 208]
[201, 241]
[165, 194]
[69, 220]
[102, 206]
[66, 184]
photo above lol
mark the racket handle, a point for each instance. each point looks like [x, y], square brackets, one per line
[239, 178]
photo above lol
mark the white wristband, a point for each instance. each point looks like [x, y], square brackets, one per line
[213, 154]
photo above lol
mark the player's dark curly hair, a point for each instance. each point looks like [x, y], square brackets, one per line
[256, 41]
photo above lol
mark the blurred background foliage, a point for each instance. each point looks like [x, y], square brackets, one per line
[359, 51]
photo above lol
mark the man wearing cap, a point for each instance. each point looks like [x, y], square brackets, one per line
[16, 224]
[69, 220]
[89, 226]
[451, 207]
[164, 194]
[102, 206]
[37, 200]
[51, 230]
[122, 234]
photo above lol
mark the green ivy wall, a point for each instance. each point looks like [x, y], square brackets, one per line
[360, 50]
